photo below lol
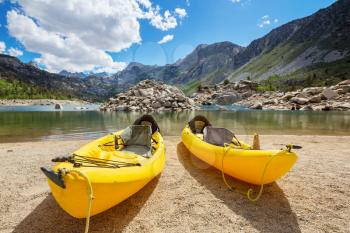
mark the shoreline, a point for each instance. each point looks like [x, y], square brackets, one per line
[245, 105]
[244, 137]
[35, 102]
[189, 195]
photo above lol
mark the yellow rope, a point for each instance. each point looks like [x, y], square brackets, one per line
[222, 168]
[89, 195]
[249, 192]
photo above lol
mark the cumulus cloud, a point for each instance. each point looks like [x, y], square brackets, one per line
[145, 3]
[166, 39]
[266, 20]
[76, 35]
[180, 12]
[2, 47]
[163, 22]
[14, 52]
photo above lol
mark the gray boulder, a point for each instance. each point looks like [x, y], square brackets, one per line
[227, 98]
[343, 89]
[121, 108]
[270, 101]
[156, 105]
[315, 99]
[257, 106]
[345, 82]
[329, 93]
[146, 92]
[306, 108]
[298, 100]
[313, 90]
[288, 96]
[341, 105]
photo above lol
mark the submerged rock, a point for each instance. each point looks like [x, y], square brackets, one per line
[256, 106]
[58, 106]
[306, 108]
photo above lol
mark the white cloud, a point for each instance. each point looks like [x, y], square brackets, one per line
[2, 47]
[265, 20]
[163, 22]
[76, 35]
[145, 3]
[180, 12]
[14, 52]
[235, 1]
[166, 39]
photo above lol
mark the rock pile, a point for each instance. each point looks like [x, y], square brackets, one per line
[149, 96]
[225, 93]
[335, 97]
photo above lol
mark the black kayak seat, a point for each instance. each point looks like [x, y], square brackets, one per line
[147, 120]
[137, 139]
[198, 123]
[217, 136]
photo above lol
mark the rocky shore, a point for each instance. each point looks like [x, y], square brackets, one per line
[335, 97]
[30, 102]
[225, 93]
[150, 96]
[247, 93]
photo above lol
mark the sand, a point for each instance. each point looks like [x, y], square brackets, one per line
[188, 196]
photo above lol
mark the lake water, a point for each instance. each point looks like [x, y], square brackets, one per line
[37, 123]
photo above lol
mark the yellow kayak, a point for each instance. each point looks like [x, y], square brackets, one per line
[219, 148]
[113, 167]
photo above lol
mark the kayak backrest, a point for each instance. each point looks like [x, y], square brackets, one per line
[137, 137]
[217, 136]
[147, 120]
[198, 123]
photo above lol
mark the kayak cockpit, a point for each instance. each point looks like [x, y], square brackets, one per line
[202, 128]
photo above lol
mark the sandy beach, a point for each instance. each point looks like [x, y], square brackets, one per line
[188, 196]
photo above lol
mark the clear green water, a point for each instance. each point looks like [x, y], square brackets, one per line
[49, 125]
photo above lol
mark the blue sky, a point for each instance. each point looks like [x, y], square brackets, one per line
[206, 21]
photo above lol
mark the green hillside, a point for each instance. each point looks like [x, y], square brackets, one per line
[20, 90]
[321, 74]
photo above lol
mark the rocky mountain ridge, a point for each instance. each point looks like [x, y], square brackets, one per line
[312, 51]
[91, 87]
[315, 45]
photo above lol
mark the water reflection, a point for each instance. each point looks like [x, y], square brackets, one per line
[23, 126]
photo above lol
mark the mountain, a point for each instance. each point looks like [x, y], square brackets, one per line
[317, 45]
[313, 50]
[203, 63]
[12, 70]
[73, 75]
[82, 74]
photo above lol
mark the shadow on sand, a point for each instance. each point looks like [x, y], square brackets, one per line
[271, 213]
[48, 217]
